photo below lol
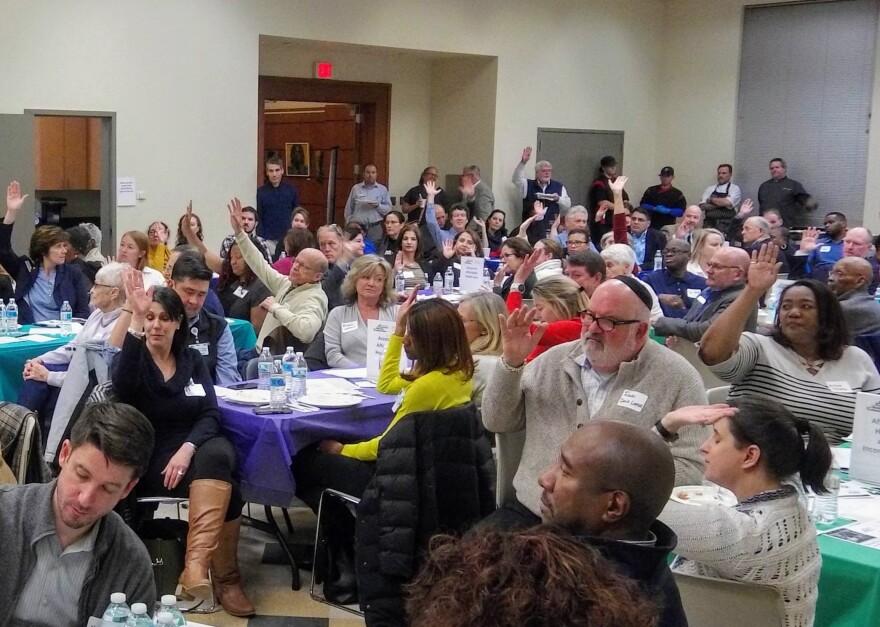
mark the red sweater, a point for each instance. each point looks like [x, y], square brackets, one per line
[556, 333]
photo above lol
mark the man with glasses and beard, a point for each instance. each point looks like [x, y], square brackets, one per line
[613, 372]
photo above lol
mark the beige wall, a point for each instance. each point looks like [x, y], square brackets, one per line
[182, 77]
[702, 45]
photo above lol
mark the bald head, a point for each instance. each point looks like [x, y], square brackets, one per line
[850, 273]
[857, 242]
[619, 456]
[308, 267]
[729, 266]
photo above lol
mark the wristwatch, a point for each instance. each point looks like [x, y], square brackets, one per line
[519, 287]
[664, 432]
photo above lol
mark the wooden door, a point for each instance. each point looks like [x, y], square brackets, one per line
[49, 151]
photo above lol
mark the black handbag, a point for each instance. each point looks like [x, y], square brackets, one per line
[165, 539]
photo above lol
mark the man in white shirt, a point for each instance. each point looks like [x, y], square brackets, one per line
[720, 201]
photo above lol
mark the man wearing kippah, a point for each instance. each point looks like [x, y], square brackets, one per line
[613, 372]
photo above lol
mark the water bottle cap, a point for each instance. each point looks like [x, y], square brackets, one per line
[139, 608]
[118, 598]
[169, 599]
[165, 618]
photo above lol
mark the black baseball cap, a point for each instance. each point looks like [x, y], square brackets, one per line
[667, 171]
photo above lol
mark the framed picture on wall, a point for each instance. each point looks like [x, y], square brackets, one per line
[297, 158]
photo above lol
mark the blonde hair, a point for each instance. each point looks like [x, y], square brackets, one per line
[699, 239]
[561, 294]
[365, 266]
[485, 308]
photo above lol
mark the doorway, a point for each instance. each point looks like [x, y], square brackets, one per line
[575, 155]
[308, 119]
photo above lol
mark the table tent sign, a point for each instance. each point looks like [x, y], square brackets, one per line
[865, 460]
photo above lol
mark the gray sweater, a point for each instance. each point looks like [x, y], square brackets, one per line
[121, 563]
[861, 312]
[345, 336]
[547, 398]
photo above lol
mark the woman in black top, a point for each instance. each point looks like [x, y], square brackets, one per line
[513, 252]
[157, 373]
[388, 246]
[240, 291]
[496, 232]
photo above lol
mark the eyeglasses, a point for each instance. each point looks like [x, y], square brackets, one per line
[605, 324]
[104, 285]
[717, 266]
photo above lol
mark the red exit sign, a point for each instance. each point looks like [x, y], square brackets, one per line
[323, 70]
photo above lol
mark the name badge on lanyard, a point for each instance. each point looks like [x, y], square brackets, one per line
[202, 347]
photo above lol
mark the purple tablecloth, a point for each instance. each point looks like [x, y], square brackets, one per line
[266, 444]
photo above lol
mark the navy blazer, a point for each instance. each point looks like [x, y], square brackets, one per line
[70, 284]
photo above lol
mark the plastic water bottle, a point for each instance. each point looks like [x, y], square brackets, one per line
[66, 318]
[300, 377]
[287, 363]
[2, 317]
[449, 281]
[168, 605]
[438, 284]
[264, 369]
[826, 504]
[164, 618]
[277, 387]
[139, 616]
[487, 280]
[12, 317]
[399, 282]
[658, 260]
[117, 612]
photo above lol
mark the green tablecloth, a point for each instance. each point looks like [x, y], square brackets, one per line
[849, 585]
[14, 354]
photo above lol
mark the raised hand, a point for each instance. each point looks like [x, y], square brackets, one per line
[810, 239]
[554, 228]
[480, 223]
[518, 337]
[764, 268]
[500, 275]
[528, 265]
[448, 248]
[186, 225]
[745, 208]
[618, 184]
[14, 199]
[235, 218]
[135, 296]
[403, 311]
[431, 190]
[526, 155]
[398, 261]
[538, 210]
[466, 188]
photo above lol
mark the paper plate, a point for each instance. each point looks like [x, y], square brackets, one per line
[703, 495]
[248, 397]
[331, 401]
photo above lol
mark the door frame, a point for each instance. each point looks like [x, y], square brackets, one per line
[374, 131]
[108, 168]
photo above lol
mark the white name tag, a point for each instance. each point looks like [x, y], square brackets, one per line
[824, 249]
[241, 292]
[840, 387]
[194, 389]
[202, 347]
[409, 274]
[456, 265]
[632, 400]
[348, 327]
[694, 294]
[701, 299]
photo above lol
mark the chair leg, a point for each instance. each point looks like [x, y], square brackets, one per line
[287, 520]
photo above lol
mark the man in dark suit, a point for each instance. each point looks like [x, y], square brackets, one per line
[849, 280]
[647, 241]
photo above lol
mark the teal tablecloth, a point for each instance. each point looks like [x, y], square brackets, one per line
[849, 585]
[14, 354]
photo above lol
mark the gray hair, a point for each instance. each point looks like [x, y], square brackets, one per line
[94, 232]
[761, 223]
[111, 274]
[472, 169]
[621, 254]
[542, 164]
[577, 209]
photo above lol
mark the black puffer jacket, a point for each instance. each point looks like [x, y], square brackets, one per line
[434, 474]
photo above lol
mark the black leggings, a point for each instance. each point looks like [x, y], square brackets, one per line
[214, 459]
[314, 471]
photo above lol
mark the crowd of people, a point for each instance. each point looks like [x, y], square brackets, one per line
[569, 353]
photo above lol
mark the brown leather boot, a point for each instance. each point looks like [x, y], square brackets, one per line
[227, 578]
[208, 501]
